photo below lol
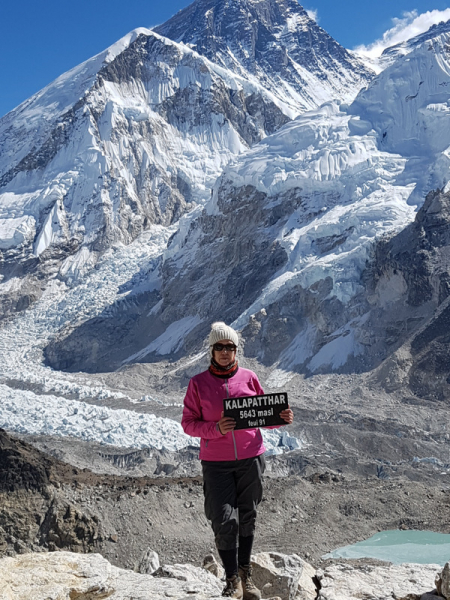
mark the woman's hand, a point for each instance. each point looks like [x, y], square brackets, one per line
[226, 424]
[287, 415]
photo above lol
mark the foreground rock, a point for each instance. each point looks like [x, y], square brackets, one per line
[66, 576]
[276, 574]
[380, 582]
[443, 582]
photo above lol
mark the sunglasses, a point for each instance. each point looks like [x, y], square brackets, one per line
[227, 347]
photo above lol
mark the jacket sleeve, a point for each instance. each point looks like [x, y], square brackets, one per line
[258, 389]
[192, 421]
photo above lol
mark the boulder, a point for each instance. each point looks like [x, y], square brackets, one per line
[443, 582]
[66, 575]
[210, 564]
[56, 576]
[346, 581]
[190, 573]
[148, 563]
[289, 577]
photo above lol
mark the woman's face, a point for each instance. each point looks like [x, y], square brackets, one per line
[225, 356]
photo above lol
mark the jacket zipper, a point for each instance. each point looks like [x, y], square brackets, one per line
[232, 433]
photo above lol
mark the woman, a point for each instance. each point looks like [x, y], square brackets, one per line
[232, 461]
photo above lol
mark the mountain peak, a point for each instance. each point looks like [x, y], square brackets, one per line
[272, 41]
[227, 20]
[390, 54]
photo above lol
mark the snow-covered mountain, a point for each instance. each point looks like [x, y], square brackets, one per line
[391, 54]
[177, 178]
[126, 140]
[273, 42]
[284, 246]
[148, 128]
[138, 135]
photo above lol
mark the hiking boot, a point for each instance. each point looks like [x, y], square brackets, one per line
[233, 589]
[250, 590]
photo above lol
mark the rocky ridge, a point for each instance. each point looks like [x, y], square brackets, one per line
[280, 577]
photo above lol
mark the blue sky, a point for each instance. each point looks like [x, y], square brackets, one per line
[41, 40]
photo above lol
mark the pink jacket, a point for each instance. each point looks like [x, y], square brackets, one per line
[203, 405]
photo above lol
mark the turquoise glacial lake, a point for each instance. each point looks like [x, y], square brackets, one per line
[395, 546]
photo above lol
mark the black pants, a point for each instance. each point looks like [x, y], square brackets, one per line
[233, 490]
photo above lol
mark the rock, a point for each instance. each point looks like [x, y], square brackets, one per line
[21, 467]
[378, 582]
[65, 575]
[443, 582]
[252, 30]
[67, 527]
[211, 565]
[288, 576]
[148, 563]
[197, 575]
[55, 576]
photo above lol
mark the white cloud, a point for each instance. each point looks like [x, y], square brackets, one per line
[313, 14]
[404, 28]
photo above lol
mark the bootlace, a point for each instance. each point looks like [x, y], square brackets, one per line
[231, 586]
[246, 575]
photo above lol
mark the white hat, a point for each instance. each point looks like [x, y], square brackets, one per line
[222, 331]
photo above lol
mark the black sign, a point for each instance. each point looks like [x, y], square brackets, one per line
[256, 411]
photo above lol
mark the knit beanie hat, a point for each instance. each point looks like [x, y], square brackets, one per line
[221, 331]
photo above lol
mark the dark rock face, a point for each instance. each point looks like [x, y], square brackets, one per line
[429, 375]
[102, 343]
[408, 290]
[67, 527]
[419, 253]
[30, 273]
[27, 511]
[227, 270]
[21, 467]
[271, 330]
